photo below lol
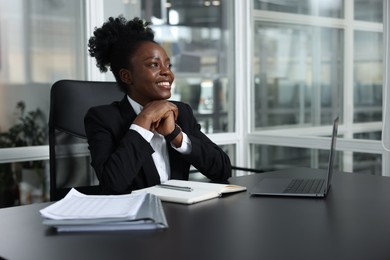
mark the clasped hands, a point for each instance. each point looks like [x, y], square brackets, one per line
[159, 116]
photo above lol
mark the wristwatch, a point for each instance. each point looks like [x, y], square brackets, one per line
[174, 133]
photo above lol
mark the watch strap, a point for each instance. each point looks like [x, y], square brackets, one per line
[175, 132]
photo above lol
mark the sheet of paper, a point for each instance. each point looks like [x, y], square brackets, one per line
[76, 205]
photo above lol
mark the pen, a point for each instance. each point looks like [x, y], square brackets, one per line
[174, 187]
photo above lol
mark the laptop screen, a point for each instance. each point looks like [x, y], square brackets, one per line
[332, 153]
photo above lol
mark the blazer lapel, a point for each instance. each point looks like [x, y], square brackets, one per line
[127, 112]
[151, 174]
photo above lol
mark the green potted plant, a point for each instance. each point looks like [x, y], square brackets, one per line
[29, 130]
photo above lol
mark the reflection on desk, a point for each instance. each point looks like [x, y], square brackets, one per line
[348, 224]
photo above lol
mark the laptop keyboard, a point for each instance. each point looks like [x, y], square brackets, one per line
[304, 186]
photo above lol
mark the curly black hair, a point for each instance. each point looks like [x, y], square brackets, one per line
[113, 44]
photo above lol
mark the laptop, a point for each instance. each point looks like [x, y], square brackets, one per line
[303, 187]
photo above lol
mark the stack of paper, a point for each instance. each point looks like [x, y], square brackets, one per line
[80, 212]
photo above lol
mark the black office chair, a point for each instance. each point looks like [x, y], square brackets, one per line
[69, 156]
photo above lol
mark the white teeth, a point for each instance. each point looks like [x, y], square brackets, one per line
[165, 83]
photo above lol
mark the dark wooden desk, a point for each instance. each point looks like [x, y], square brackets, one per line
[348, 224]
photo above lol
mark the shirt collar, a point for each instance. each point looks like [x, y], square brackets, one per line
[137, 107]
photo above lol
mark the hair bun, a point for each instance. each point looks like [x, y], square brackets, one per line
[117, 38]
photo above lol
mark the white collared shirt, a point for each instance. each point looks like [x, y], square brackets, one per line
[159, 145]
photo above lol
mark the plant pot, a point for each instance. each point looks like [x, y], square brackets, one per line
[9, 198]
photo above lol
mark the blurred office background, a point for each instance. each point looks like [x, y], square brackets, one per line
[265, 79]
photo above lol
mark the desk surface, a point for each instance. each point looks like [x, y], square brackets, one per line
[346, 225]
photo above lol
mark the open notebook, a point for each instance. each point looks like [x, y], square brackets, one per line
[189, 192]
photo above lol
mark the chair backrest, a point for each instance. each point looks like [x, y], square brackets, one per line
[69, 102]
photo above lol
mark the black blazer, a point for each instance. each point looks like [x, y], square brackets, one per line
[122, 159]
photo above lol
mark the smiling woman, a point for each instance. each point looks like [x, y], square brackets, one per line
[156, 68]
[144, 139]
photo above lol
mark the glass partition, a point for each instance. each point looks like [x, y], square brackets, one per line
[368, 76]
[368, 10]
[313, 60]
[298, 75]
[327, 8]
[41, 42]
